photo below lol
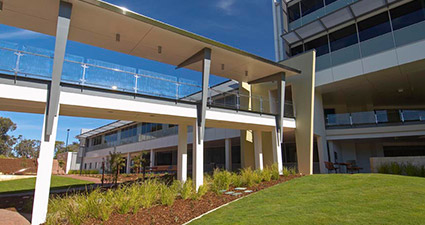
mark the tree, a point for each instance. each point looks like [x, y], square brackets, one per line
[27, 148]
[145, 162]
[59, 148]
[74, 147]
[6, 141]
[137, 163]
[116, 161]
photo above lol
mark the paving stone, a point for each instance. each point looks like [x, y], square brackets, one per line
[240, 189]
[229, 192]
[222, 191]
[236, 194]
[248, 191]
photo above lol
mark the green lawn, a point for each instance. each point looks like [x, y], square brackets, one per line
[330, 199]
[28, 184]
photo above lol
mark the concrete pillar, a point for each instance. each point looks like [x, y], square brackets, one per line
[49, 130]
[128, 168]
[277, 150]
[44, 174]
[152, 155]
[320, 131]
[228, 153]
[258, 150]
[198, 157]
[182, 154]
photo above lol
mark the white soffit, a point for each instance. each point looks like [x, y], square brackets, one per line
[98, 23]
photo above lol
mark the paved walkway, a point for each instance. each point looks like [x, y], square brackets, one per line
[78, 177]
[12, 218]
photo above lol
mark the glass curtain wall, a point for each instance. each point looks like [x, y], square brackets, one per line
[407, 22]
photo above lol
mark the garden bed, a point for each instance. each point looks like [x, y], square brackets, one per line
[183, 211]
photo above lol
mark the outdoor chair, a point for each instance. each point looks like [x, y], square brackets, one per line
[330, 166]
[352, 166]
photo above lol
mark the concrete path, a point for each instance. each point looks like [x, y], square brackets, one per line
[12, 218]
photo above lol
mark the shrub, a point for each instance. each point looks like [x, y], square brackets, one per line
[168, 195]
[384, 168]
[275, 171]
[266, 174]
[236, 180]
[202, 190]
[99, 205]
[396, 168]
[149, 191]
[83, 172]
[250, 177]
[286, 172]
[221, 180]
[187, 189]
[411, 170]
[293, 171]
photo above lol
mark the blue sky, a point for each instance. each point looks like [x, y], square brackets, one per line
[245, 24]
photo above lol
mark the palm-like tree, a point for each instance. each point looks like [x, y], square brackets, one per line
[116, 161]
[137, 163]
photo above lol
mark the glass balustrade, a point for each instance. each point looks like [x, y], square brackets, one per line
[37, 63]
[376, 45]
[410, 34]
[374, 118]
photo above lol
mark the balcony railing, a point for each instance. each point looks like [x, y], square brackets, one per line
[374, 118]
[26, 61]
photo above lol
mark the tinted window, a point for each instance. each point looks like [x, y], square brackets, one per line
[343, 38]
[129, 132]
[111, 137]
[408, 14]
[97, 140]
[320, 44]
[309, 6]
[294, 12]
[374, 26]
[327, 2]
[297, 50]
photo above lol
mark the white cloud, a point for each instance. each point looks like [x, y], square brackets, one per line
[226, 5]
[21, 34]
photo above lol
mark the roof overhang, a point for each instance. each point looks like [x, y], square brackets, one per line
[102, 129]
[104, 25]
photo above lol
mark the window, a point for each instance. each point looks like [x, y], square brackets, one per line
[129, 132]
[374, 26]
[146, 127]
[408, 14]
[111, 137]
[343, 38]
[156, 127]
[85, 166]
[297, 50]
[309, 6]
[320, 44]
[294, 12]
[172, 125]
[90, 166]
[97, 140]
[87, 142]
[327, 2]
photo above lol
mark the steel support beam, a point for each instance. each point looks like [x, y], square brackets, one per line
[182, 153]
[62, 30]
[48, 137]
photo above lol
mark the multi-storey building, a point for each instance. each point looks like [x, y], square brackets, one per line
[370, 73]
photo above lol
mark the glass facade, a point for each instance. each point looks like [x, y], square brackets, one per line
[129, 132]
[399, 26]
[306, 11]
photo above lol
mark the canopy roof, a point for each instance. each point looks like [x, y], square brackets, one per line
[104, 25]
[102, 129]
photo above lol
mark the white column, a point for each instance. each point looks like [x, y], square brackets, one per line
[258, 150]
[44, 174]
[128, 169]
[182, 154]
[198, 158]
[228, 153]
[152, 155]
[277, 150]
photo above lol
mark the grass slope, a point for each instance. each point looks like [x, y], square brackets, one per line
[330, 199]
[28, 184]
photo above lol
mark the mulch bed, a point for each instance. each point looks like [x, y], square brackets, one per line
[182, 210]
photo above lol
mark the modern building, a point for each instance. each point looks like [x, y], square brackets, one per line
[54, 83]
[370, 73]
